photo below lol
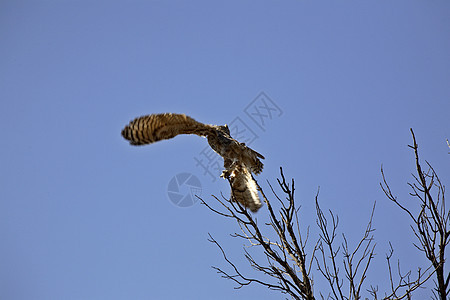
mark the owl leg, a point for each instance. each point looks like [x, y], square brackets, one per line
[228, 164]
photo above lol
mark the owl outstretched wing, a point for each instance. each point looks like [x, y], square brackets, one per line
[152, 128]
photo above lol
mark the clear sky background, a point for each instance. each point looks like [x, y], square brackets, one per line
[83, 215]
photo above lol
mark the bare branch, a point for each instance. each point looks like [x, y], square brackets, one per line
[283, 241]
[430, 226]
[286, 258]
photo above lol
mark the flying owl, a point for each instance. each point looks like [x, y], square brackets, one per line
[239, 160]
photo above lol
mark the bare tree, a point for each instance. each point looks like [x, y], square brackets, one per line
[286, 256]
[290, 260]
[431, 223]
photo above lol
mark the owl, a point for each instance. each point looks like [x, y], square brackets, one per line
[240, 161]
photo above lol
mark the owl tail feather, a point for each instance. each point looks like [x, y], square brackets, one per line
[244, 188]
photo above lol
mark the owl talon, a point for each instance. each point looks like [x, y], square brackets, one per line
[225, 174]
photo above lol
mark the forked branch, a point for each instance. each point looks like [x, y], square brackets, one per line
[430, 224]
[286, 256]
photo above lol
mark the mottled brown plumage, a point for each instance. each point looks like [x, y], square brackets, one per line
[153, 128]
[239, 159]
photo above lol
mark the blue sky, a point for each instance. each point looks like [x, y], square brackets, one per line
[83, 215]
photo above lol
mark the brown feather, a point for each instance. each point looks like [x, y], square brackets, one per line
[153, 128]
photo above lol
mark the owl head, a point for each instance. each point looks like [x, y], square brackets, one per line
[225, 129]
